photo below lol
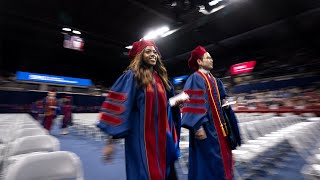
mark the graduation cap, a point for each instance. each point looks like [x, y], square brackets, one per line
[68, 97]
[52, 91]
[196, 54]
[138, 46]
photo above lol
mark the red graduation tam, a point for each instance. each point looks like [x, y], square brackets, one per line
[52, 91]
[138, 46]
[68, 97]
[196, 54]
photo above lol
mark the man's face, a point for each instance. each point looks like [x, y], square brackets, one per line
[150, 55]
[206, 62]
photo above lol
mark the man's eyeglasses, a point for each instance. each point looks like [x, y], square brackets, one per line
[209, 58]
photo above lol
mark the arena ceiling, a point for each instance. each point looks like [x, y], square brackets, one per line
[31, 36]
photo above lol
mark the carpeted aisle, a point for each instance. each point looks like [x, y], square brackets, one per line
[89, 152]
[95, 168]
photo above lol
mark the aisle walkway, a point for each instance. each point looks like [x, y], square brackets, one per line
[89, 152]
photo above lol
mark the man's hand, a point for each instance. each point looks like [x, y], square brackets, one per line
[201, 134]
[225, 102]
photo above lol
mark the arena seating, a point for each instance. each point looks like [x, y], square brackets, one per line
[26, 148]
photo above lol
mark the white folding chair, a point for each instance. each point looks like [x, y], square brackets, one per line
[30, 132]
[46, 166]
[28, 144]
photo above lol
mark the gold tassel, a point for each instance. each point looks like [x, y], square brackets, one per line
[225, 125]
[223, 132]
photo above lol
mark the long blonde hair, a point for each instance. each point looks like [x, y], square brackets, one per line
[143, 74]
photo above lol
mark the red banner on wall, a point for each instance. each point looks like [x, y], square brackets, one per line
[242, 67]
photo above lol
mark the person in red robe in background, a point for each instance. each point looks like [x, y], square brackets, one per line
[50, 106]
[67, 115]
[39, 107]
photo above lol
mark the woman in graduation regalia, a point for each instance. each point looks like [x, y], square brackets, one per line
[136, 109]
[50, 107]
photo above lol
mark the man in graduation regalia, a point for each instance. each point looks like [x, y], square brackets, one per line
[137, 110]
[210, 154]
[66, 108]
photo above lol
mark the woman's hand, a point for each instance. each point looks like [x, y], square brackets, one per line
[180, 102]
[108, 152]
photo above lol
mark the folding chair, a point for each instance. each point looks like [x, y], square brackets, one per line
[54, 165]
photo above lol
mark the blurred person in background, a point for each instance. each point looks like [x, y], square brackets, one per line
[210, 155]
[66, 108]
[40, 111]
[136, 108]
[37, 110]
[50, 109]
[34, 111]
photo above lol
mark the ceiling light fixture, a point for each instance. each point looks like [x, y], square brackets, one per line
[128, 47]
[156, 33]
[76, 32]
[214, 2]
[205, 12]
[66, 29]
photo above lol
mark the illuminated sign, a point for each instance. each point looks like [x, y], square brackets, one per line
[73, 42]
[242, 67]
[179, 79]
[26, 76]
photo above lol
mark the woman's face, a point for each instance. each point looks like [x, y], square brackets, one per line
[150, 56]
